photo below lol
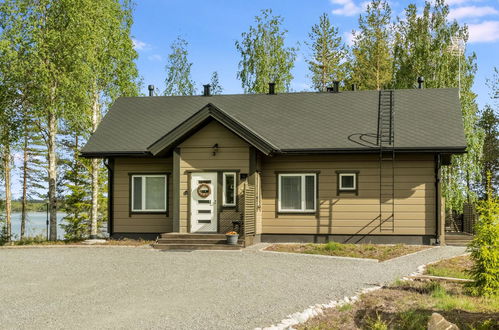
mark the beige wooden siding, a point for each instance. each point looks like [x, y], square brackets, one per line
[196, 154]
[124, 222]
[347, 213]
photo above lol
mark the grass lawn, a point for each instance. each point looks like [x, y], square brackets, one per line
[409, 305]
[457, 267]
[371, 251]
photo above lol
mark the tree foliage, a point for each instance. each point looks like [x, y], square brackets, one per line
[489, 123]
[485, 246]
[328, 54]
[371, 50]
[178, 70]
[216, 88]
[264, 56]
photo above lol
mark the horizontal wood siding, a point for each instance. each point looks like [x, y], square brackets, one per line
[196, 154]
[124, 222]
[348, 213]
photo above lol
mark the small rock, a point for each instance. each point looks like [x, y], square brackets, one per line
[94, 241]
[438, 322]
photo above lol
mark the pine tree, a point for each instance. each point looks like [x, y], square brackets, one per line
[328, 58]
[216, 88]
[372, 58]
[178, 70]
[489, 123]
[264, 56]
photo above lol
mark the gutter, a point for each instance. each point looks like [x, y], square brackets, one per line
[106, 154]
[438, 218]
[109, 163]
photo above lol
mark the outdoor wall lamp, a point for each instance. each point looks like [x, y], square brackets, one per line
[215, 149]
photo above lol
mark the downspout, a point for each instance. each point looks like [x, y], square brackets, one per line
[109, 163]
[438, 218]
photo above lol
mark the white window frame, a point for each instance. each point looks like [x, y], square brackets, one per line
[340, 184]
[143, 200]
[225, 186]
[303, 193]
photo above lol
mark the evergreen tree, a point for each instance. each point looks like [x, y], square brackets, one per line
[489, 123]
[178, 70]
[371, 51]
[216, 88]
[264, 57]
[328, 58]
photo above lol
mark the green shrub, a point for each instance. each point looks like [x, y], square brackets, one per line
[485, 246]
[4, 236]
[376, 323]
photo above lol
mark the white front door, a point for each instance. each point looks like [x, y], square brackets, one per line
[204, 202]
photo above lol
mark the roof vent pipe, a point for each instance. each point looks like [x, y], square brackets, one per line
[271, 88]
[336, 86]
[207, 91]
[354, 87]
[151, 90]
[420, 82]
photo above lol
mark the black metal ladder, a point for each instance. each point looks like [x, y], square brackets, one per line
[386, 143]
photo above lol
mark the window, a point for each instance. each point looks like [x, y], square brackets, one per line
[229, 189]
[348, 181]
[297, 192]
[149, 193]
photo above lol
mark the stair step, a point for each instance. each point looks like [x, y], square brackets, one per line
[193, 241]
[196, 247]
[193, 236]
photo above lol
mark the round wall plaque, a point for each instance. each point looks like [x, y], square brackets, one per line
[204, 190]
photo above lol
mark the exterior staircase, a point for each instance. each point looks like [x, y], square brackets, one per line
[180, 241]
[457, 238]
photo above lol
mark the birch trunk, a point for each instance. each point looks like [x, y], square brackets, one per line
[52, 174]
[95, 172]
[25, 188]
[8, 193]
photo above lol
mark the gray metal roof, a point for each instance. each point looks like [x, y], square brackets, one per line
[424, 119]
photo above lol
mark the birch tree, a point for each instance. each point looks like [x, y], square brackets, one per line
[178, 70]
[328, 54]
[423, 48]
[371, 51]
[264, 56]
[216, 88]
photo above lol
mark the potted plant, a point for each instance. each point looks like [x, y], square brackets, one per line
[232, 237]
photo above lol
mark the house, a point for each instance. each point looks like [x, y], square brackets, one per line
[349, 166]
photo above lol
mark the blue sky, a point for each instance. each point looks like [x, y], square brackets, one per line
[212, 27]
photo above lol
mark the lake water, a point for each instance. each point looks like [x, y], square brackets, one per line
[35, 224]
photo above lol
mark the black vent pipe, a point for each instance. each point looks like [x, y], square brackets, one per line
[207, 91]
[271, 88]
[151, 90]
[420, 82]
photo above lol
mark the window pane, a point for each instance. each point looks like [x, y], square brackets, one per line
[137, 193]
[229, 188]
[155, 193]
[309, 192]
[347, 181]
[291, 192]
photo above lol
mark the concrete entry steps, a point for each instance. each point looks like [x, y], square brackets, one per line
[178, 241]
[457, 238]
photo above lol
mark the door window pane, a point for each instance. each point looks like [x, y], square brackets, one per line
[137, 193]
[291, 192]
[310, 192]
[155, 193]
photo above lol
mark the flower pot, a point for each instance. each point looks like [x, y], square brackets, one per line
[232, 239]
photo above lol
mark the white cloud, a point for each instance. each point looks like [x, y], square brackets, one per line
[472, 11]
[154, 57]
[139, 45]
[348, 37]
[487, 31]
[348, 7]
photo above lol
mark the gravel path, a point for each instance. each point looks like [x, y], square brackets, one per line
[140, 288]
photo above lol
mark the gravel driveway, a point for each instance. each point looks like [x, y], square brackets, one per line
[125, 287]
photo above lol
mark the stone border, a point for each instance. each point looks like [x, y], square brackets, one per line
[318, 309]
[319, 255]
